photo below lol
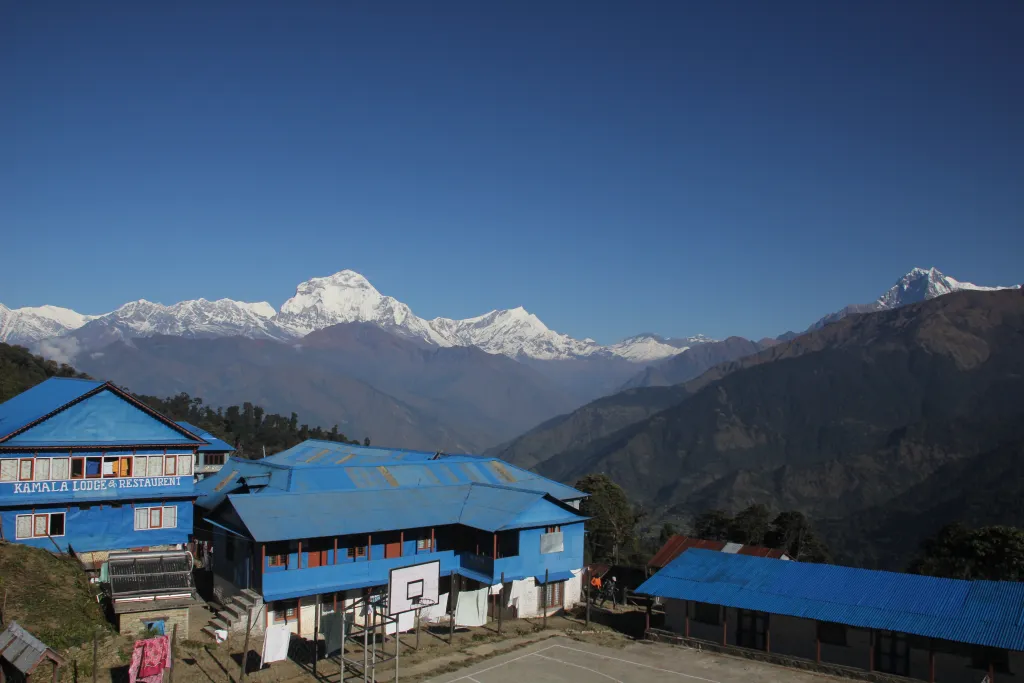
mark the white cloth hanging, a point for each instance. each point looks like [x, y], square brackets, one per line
[471, 608]
[518, 589]
[406, 622]
[275, 643]
[330, 626]
[496, 589]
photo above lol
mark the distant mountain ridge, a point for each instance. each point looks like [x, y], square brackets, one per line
[318, 303]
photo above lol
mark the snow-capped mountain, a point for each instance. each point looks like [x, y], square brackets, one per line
[344, 297]
[920, 284]
[30, 324]
[650, 347]
[348, 297]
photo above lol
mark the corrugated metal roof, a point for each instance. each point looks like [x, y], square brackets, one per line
[678, 544]
[41, 400]
[322, 466]
[23, 650]
[985, 613]
[284, 516]
[213, 444]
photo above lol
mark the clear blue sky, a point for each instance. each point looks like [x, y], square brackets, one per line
[677, 167]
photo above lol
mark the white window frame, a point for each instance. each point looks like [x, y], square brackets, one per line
[159, 460]
[9, 468]
[36, 470]
[185, 465]
[67, 468]
[163, 512]
[31, 518]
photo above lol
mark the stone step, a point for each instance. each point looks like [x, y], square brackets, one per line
[235, 611]
[251, 594]
[219, 622]
[209, 630]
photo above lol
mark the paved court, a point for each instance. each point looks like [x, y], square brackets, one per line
[561, 660]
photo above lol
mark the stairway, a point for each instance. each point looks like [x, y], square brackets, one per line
[231, 616]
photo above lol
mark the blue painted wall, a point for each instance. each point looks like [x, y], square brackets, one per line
[108, 528]
[104, 418]
[531, 562]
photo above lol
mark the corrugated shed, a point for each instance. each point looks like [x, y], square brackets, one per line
[985, 613]
[23, 650]
[41, 400]
[213, 444]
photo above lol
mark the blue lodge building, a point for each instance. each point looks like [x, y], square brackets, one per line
[324, 523]
[85, 467]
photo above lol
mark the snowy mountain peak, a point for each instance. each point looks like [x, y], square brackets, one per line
[649, 347]
[921, 284]
[31, 323]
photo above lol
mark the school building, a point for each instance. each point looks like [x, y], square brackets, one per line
[324, 523]
[861, 620]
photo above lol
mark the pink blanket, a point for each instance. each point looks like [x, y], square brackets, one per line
[149, 659]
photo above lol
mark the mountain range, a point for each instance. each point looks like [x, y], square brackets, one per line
[869, 423]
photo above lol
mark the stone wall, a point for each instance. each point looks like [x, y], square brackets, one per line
[134, 623]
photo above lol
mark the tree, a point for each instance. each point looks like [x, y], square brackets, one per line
[712, 525]
[751, 525]
[792, 533]
[613, 519]
[667, 531]
[366, 442]
[995, 553]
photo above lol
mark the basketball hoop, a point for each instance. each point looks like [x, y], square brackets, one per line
[413, 587]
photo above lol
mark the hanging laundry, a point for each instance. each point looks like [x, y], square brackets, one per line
[519, 588]
[149, 659]
[496, 589]
[437, 612]
[331, 626]
[471, 609]
[275, 643]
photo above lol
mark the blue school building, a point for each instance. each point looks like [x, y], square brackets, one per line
[324, 523]
[87, 468]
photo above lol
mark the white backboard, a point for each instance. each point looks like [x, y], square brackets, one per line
[413, 587]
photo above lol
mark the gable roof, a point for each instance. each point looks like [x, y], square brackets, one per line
[276, 516]
[34, 407]
[213, 444]
[325, 466]
[678, 544]
[989, 613]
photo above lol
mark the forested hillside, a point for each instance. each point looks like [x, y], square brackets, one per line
[248, 427]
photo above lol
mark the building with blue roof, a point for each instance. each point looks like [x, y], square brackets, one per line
[325, 522]
[212, 455]
[84, 466]
[903, 624]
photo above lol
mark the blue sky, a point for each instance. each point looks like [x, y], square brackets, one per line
[677, 167]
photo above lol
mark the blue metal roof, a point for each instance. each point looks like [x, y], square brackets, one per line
[989, 613]
[274, 516]
[41, 400]
[554, 577]
[213, 444]
[321, 466]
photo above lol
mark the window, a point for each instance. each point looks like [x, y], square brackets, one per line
[93, 468]
[124, 467]
[42, 472]
[705, 613]
[25, 470]
[551, 594]
[357, 551]
[40, 525]
[832, 634]
[78, 468]
[110, 467]
[170, 465]
[981, 657]
[156, 518]
[277, 560]
[552, 529]
[9, 469]
[892, 653]
[184, 465]
[59, 468]
[213, 459]
[156, 466]
[285, 611]
[426, 544]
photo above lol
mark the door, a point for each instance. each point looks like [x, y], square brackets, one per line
[750, 629]
[892, 653]
[316, 558]
[392, 550]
